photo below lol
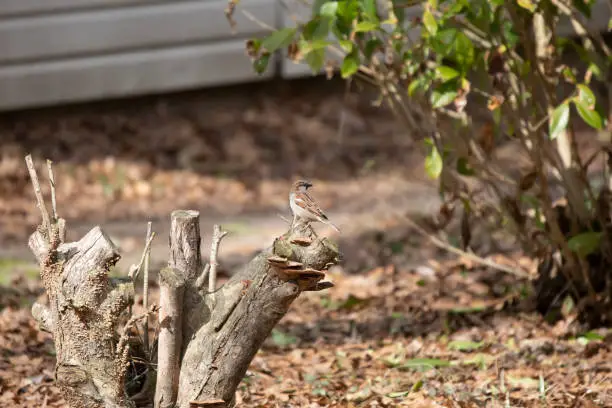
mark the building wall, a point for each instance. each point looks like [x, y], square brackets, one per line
[56, 51]
[60, 51]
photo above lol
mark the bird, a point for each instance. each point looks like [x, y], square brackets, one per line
[304, 206]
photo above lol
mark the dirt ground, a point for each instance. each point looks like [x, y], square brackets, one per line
[405, 325]
[444, 334]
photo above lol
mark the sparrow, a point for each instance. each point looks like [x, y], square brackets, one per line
[304, 206]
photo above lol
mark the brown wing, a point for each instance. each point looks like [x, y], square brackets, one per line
[304, 200]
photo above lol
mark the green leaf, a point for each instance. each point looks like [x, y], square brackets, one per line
[346, 45]
[585, 243]
[260, 64]
[593, 336]
[433, 163]
[463, 52]
[366, 27]
[415, 85]
[447, 36]
[398, 394]
[424, 364]
[316, 6]
[527, 4]
[315, 59]
[317, 28]
[558, 120]
[468, 309]
[430, 22]
[329, 9]
[350, 65]
[446, 73]
[454, 9]
[309, 46]
[278, 39]
[443, 96]
[465, 345]
[586, 96]
[369, 9]
[589, 115]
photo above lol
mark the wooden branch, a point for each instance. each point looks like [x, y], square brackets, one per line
[40, 202]
[53, 199]
[185, 243]
[218, 235]
[183, 266]
[145, 288]
[201, 280]
[240, 316]
[135, 269]
[171, 288]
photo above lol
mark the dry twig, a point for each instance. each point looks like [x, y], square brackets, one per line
[201, 281]
[123, 344]
[53, 199]
[145, 286]
[135, 269]
[218, 235]
[38, 193]
[469, 255]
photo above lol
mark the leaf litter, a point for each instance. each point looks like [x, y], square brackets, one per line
[379, 339]
[439, 333]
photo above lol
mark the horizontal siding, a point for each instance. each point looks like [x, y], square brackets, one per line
[177, 68]
[20, 7]
[112, 30]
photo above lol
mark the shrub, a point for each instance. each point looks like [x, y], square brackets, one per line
[459, 62]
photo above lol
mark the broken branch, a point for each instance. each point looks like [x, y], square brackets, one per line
[40, 202]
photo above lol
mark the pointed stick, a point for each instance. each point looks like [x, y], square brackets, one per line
[38, 193]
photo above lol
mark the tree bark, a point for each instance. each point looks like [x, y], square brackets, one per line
[85, 306]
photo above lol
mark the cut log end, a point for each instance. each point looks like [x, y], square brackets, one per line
[189, 214]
